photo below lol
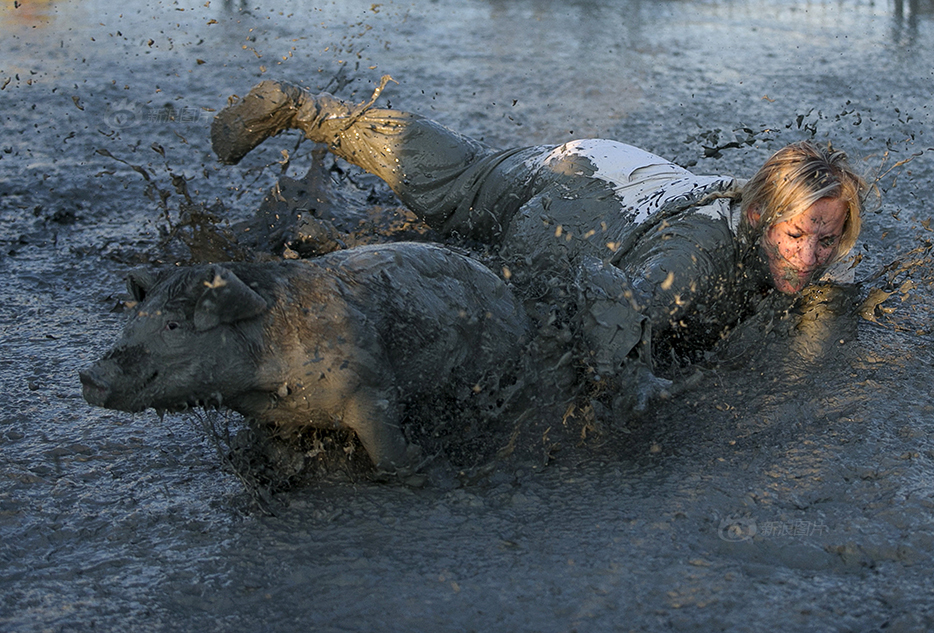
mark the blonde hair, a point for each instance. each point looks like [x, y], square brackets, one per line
[793, 179]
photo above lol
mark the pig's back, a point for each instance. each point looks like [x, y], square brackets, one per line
[434, 311]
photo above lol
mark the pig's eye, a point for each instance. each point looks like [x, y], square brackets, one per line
[172, 325]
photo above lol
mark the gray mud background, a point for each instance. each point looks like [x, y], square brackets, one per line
[793, 488]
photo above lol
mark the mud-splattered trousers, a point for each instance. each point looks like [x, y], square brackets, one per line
[655, 251]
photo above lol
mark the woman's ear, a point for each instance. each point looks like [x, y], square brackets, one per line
[753, 216]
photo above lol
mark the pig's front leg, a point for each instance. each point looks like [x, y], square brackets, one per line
[374, 416]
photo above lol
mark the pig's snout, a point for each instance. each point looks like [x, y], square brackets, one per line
[95, 387]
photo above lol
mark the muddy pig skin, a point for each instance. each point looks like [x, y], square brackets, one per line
[342, 341]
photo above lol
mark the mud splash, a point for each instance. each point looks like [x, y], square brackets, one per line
[792, 487]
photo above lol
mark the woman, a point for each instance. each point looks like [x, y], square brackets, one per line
[653, 254]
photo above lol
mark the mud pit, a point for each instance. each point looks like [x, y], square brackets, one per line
[792, 488]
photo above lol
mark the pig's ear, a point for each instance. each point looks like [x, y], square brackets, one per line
[226, 299]
[139, 282]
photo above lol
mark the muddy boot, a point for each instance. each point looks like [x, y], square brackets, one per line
[270, 108]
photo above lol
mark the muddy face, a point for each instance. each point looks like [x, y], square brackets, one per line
[801, 247]
[182, 347]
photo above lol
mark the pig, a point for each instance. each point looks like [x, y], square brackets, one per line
[341, 341]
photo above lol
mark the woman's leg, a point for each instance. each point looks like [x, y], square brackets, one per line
[455, 183]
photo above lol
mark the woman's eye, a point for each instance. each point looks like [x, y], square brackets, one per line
[827, 242]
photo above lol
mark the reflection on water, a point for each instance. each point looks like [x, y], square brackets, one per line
[906, 19]
[912, 8]
[26, 13]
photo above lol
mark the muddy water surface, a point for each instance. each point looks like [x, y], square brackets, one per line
[793, 488]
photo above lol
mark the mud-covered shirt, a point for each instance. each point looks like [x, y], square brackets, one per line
[658, 229]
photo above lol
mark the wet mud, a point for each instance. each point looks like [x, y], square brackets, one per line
[790, 487]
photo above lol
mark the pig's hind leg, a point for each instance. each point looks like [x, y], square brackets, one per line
[374, 416]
